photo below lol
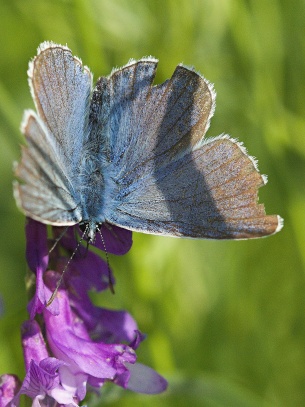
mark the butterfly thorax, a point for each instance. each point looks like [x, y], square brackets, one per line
[96, 188]
[92, 192]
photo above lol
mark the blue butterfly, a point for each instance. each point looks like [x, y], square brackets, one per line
[132, 154]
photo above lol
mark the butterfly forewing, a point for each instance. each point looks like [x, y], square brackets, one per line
[61, 88]
[138, 134]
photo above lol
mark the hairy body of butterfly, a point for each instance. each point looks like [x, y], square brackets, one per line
[133, 154]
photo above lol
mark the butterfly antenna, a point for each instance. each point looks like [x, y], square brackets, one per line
[58, 239]
[51, 299]
[108, 265]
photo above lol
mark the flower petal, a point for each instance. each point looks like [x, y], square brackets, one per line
[73, 383]
[9, 387]
[34, 347]
[74, 346]
[62, 396]
[109, 326]
[37, 259]
[36, 245]
[144, 379]
[88, 271]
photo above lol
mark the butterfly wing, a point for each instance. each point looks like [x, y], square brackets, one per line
[45, 193]
[61, 89]
[168, 180]
[50, 163]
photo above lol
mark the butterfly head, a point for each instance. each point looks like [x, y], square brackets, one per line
[89, 229]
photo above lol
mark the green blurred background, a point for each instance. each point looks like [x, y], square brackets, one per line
[225, 320]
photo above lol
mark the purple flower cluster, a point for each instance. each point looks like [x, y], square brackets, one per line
[76, 346]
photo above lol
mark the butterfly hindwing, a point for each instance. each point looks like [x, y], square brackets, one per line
[199, 196]
[45, 192]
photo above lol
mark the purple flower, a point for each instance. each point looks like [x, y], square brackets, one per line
[33, 344]
[89, 345]
[9, 387]
[37, 258]
[91, 273]
[93, 361]
[117, 240]
[86, 269]
[42, 382]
